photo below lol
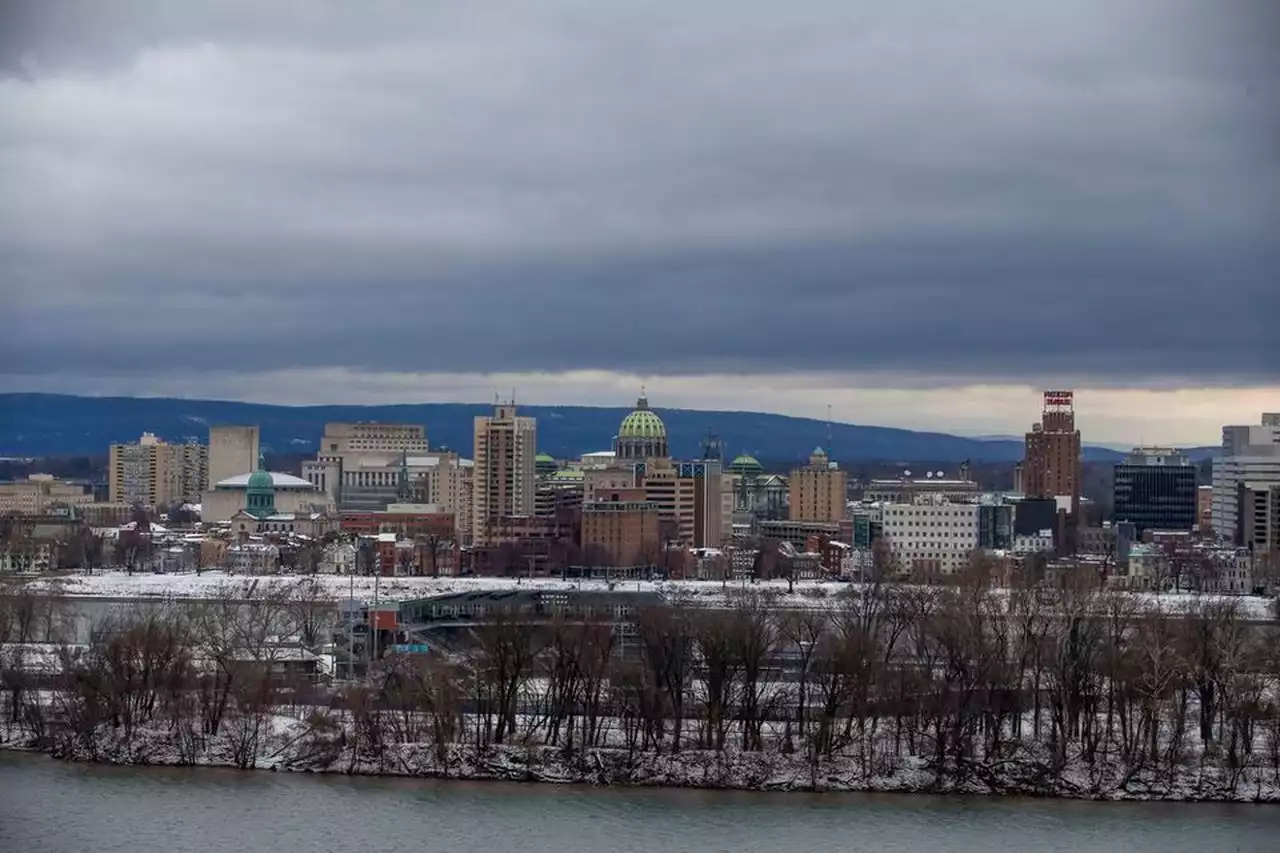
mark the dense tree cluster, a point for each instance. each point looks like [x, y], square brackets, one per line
[1074, 686]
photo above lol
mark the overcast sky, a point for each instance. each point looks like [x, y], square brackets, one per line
[916, 213]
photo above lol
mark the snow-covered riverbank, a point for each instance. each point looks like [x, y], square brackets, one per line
[291, 745]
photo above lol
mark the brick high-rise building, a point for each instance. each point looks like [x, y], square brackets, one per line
[1052, 465]
[622, 526]
[503, 478]
[817, 491]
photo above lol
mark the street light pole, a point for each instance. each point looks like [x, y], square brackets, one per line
[351, 625]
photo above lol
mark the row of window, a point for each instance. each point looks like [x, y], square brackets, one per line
[947, 524]
[954, 512]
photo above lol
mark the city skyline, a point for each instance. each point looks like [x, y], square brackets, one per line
[919, 221]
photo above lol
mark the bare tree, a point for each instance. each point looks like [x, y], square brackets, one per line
[666, 650]
[804, 631]
[505, 656]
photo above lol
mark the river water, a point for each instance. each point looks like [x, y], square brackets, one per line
[48, 806]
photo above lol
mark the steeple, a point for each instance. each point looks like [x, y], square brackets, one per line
[404, 491]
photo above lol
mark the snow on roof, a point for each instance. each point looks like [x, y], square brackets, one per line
[210, 584]
[279, 480]
[154, 528]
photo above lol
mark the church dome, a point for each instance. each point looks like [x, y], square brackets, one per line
[642, 434]
[260, 481]
[260, 492]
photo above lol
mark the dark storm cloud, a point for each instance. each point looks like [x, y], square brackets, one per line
[1004, 189]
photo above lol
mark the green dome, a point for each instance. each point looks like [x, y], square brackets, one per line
[642, 423]
[642, 434]
[747, 466]
[260, 481]
[260, 491]
[544, 457]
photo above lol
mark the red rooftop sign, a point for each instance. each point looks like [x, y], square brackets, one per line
[1058, 398]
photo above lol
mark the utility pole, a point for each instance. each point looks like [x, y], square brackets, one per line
[351, 625]
[373, 633]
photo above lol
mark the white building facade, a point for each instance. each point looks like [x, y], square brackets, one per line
[1251, 458]
[292, 495]
[931, 536]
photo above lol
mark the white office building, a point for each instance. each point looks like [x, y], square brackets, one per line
[1250, 460]
[931, 536]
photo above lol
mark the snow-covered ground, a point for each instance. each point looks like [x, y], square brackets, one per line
[293, 742]
[213, 584]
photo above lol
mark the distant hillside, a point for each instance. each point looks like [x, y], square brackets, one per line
[51, 424]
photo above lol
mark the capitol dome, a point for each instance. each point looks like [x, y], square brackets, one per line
[746, 466]
[642, 434]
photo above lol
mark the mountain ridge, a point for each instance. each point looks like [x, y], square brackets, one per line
[37, 424]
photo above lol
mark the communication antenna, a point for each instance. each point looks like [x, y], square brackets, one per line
[830, 454]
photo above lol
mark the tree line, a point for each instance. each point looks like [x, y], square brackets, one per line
[1071, 685]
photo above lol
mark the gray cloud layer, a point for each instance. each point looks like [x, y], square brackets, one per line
[1008, 189]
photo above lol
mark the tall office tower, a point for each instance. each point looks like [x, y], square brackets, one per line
[233, 450]
[1250, 460]
[503, 477]
[1155, 489]
[818, 490]
[1259, 520]
[1051, 468]
[155, 473]
[1240, 440]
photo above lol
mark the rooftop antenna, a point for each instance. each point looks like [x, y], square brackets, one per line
[830, 455]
